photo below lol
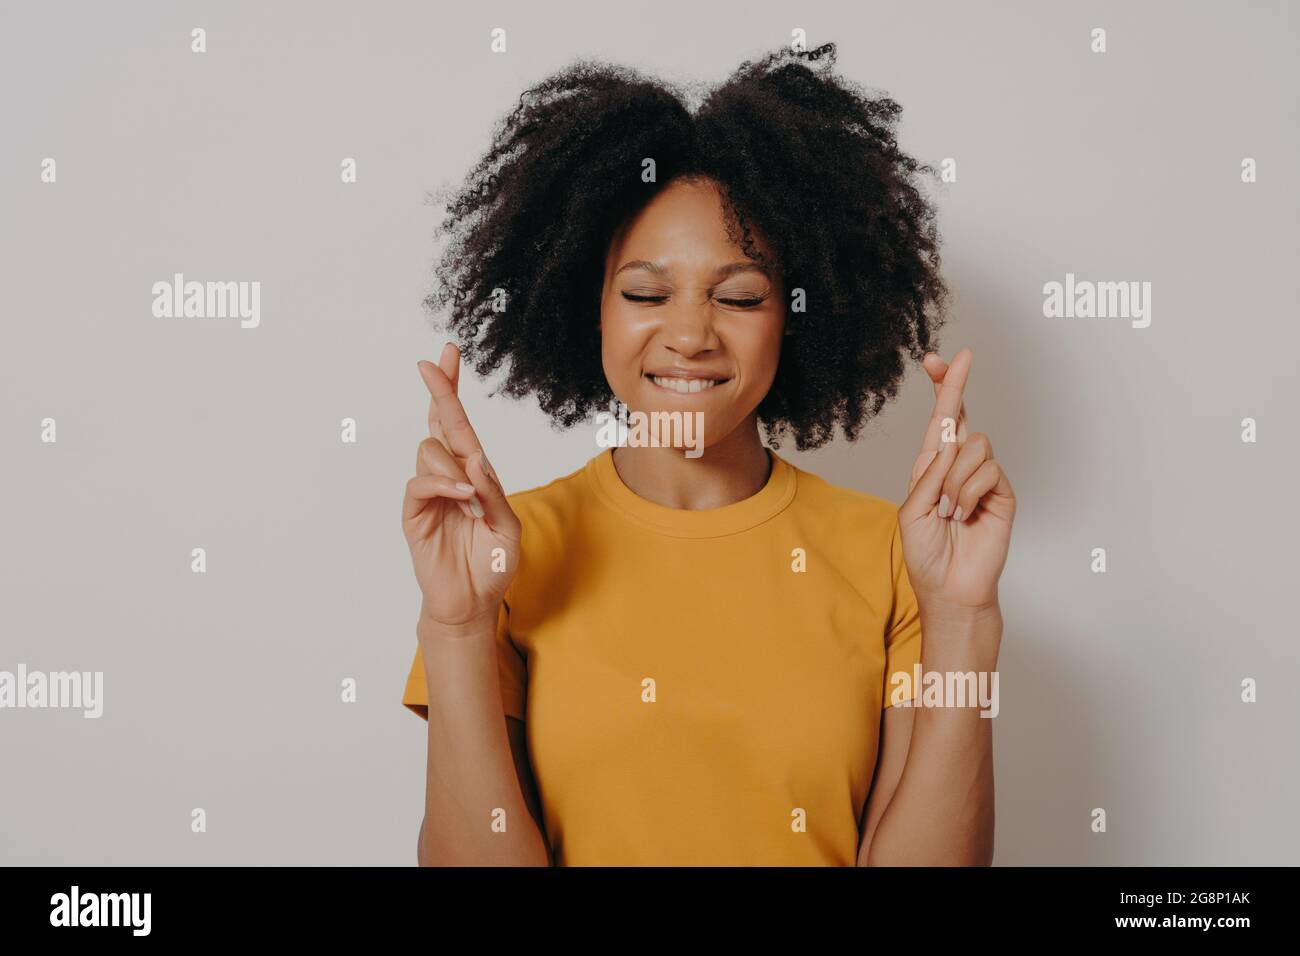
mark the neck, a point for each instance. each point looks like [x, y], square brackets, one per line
[731, 470]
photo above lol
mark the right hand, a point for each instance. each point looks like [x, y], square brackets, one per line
[453, 532]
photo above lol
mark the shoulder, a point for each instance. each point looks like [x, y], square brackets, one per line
[845, 508]
[546, 510]
[552, 526]
[858, 530]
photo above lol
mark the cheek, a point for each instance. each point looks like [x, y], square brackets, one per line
[758, 344]
[613, 330]
[619, 344]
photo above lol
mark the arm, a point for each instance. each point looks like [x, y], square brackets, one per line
[932, 801]
[476, 776]
[480, 803]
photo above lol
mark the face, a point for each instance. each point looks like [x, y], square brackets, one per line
[688, 322]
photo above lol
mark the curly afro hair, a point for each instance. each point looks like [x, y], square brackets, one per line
[801, 155]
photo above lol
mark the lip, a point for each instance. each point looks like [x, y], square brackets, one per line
[718, 380]
[671, 372]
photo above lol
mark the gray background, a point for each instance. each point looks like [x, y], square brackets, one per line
[222, 690]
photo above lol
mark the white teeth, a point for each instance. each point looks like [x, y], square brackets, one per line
[684, 385]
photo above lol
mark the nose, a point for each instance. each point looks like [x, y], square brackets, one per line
[688, 326]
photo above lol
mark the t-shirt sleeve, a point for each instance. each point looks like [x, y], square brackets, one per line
[903, 634]
[512, 669]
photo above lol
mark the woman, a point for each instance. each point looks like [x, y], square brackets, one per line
[700, 658]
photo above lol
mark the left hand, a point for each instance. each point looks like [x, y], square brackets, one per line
[956, 521]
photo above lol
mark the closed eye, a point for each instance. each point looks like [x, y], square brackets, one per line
[737, 303]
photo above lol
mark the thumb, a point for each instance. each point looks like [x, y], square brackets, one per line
[497, 511]
[925, 493]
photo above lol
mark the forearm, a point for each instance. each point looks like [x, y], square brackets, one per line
[472, 790]
[942, 811]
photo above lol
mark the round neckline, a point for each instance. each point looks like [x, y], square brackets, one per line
[687, 523]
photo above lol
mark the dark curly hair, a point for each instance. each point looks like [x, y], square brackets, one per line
[803, 156]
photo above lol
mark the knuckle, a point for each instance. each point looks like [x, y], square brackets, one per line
[430, 448]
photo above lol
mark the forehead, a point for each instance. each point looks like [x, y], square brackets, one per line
[684, 224]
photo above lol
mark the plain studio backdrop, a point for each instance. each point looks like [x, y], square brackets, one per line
[222, 690]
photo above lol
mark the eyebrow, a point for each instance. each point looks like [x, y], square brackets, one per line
[722, 272]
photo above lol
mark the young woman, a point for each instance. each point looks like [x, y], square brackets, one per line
[664, 659]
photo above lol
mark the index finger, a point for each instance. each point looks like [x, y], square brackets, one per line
[937, 368]
[456, 429]
[449, 362]
[948, 400]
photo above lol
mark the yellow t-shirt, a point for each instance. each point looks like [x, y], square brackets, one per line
[702, 687]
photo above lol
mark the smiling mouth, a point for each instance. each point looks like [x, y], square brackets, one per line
[685, 386]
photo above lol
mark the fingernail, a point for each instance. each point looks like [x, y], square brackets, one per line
[956, 515]
[944, 505]
[475, 507]
[461, 486]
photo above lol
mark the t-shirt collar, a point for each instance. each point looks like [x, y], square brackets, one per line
[685, 523]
